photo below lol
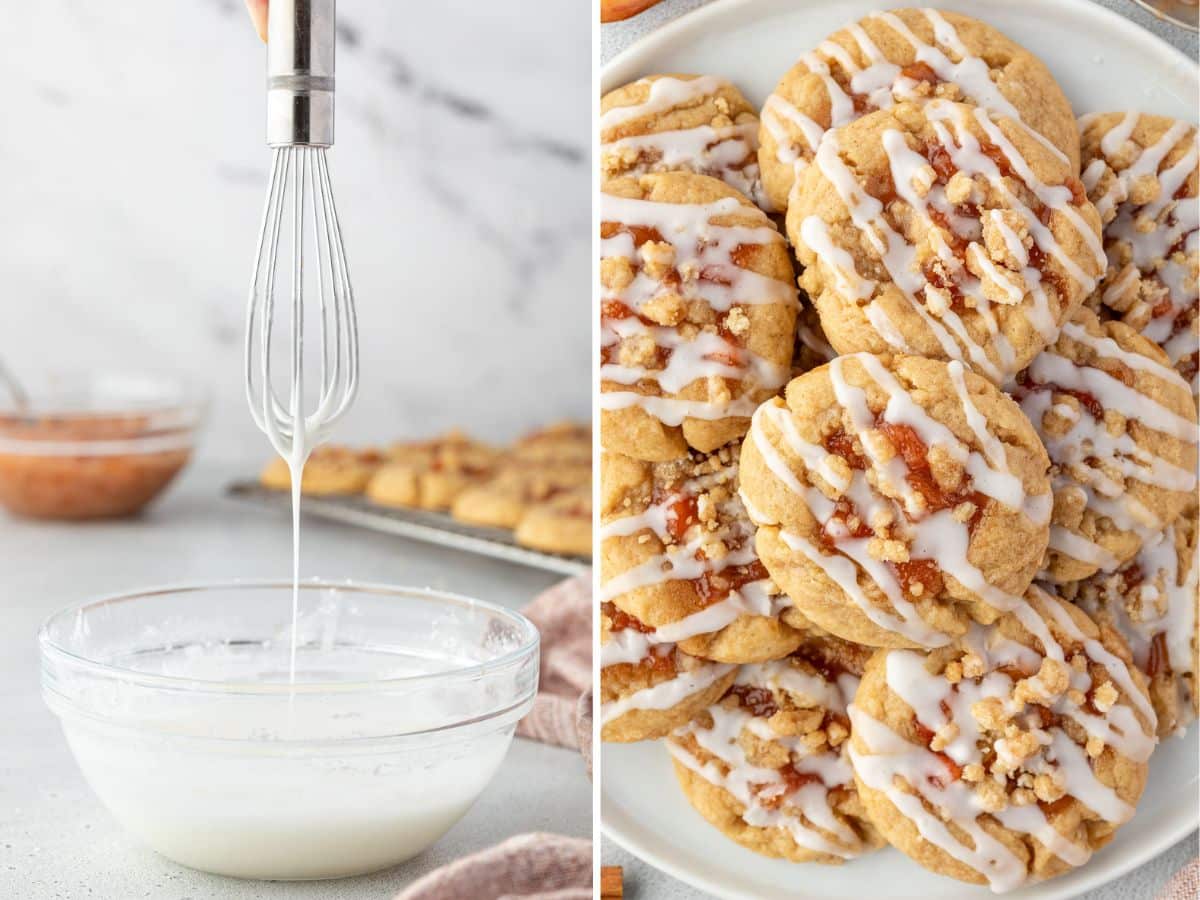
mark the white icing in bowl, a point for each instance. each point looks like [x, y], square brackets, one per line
[177, 706]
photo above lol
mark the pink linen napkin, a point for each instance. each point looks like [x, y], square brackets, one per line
[529, 866]
[1185, 885]
[563, 615]
[539, 866]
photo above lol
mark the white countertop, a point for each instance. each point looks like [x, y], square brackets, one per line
[56, 841]
[642, 881]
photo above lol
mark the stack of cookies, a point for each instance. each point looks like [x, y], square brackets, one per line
[539, 488]
[909, 556]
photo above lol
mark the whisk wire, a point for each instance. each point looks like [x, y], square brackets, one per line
[348, 326]
[275, 415]
[300, 175]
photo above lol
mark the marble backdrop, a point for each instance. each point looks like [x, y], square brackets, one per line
[133, 170]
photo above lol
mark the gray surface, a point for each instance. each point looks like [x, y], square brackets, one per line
[56, 841]
[617, 36]
[643, 881]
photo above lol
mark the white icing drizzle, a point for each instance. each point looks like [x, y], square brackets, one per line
[881, 84]
[938, 535]
[990, 353]
[727, 153]
[937, 797]
[675, 564]
[629, 646]
[666, 694]
[704, 251]
[1087, 438]
[806, 813]
[665, 94]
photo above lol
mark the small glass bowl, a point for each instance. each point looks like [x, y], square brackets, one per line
[95, 445]
[1184, 13]
[178, 708]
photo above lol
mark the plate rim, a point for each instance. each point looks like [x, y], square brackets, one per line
[697, 20]
[1165, 833]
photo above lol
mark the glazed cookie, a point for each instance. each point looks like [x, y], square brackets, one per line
[562, 524]
[767, 764]
[906, 55]
[1141, 172]
[431, 474]
[698, 314]
[896, 501]
[1009, 756]
[504, 500]
[1152, 601]
[681, 123]
[947, 231]
[677, 552]
[649, 687]
[330, 470]
[1120, 428]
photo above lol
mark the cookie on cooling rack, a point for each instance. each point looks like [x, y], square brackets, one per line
[503, 500]
[561, 443]
[561, 524]
[330, 470]
[431, 474]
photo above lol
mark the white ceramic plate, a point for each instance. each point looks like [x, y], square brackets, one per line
[1103, 62]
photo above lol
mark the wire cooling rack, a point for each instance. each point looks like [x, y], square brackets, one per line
[419, 524]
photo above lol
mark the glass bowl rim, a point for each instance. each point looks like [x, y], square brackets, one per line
[186, 392]
[185, 407]
[529, 647]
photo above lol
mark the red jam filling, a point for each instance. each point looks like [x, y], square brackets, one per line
[1156, 663]
[952, 768]
[1086, 399]
[920, 71]
[640, 233]
[796, 780]
[615, 310]
[943, 165]
[682, 514]
[714, 586]
[846, 523]
[621, 620]
[841, 444]
[910, 446]
[923, 572]
[755, 700]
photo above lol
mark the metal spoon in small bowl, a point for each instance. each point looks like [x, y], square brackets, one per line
[19, 394]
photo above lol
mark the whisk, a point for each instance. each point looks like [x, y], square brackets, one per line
[300, 70]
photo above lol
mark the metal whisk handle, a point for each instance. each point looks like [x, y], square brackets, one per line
[300, 60]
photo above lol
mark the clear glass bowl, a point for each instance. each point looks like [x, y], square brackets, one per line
[178, 708]
[95, 445]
